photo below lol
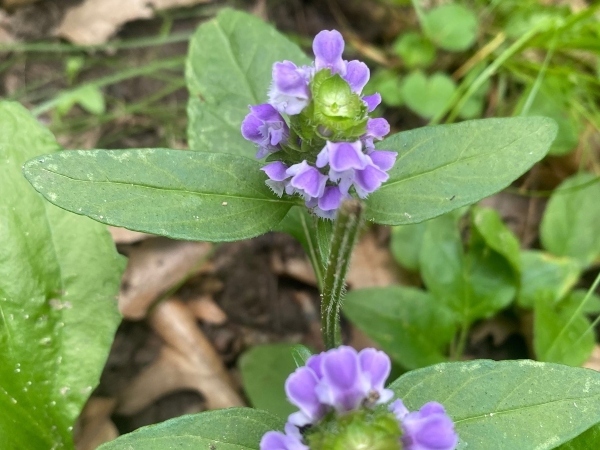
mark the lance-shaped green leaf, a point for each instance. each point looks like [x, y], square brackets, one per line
[175, 193]
[228, 68]
[225, 429]
[510, 404]
[59, 275]
[441, 168]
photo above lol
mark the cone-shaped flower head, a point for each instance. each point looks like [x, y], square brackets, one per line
[336, 392]
[316, 127]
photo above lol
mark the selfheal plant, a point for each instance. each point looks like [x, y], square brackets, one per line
[317, 144]
[325, 150]
[336, 392]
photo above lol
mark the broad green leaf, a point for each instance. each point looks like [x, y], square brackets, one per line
[180, 194]
[224, 429]
[489, 226]
[59, 275]
[452, 27]
[474, 284]
[229, 68]
[405, 244]
[427, 96]
[545, 274]
[585, 441]
[415, 50]
[570, 223]
[401, 321]
[508, 405]
[559, 334]
[442, 168]
[264, 369]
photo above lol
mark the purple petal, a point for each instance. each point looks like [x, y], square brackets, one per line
[398, 409]
[357, 75]
[346, 155]
[251, 128]
[368, 180]
[275, 170]
[289, 91]
[383, 159]
[341, 386]
[307, 179]
[376, 366]
[430, 428]
[323, 157]
[290, 440]
[378, 128]
[328, 47]
[314, 363]
[331, 199]
[300, 390]
[372, 101]
[265, 112]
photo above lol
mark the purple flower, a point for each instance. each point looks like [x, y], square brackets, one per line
[306, 180]
[430, 428]
[265, 127]
[328, 47]
[289, 92]
[372, 101]
[341, 379]
[290, 440]
[276, 171]
[357, 75]
[376, 130]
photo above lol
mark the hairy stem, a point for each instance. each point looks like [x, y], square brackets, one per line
[345, 234]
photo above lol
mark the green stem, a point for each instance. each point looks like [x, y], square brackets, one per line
[345, 234]
[462, 342]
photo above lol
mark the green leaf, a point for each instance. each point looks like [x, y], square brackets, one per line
[452, 27]
[59, 275]
[389, 84]
[228, 68]
[401, 320]
[569, 225]
[89, 97]
[405, 244]
[442, 168]
[545, 274]
[592, 305]
[554, 99]
[175, 193]
[224, 429]
[474, 284]
[415, 50]
[510, 404]
[488, 223]
[585, 441]
[427, 96]
[559, 334]
[264, 369]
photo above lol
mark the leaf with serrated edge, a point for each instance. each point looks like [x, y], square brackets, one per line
[508, 405]
[441, 168]
[180, 194]
[59, 275]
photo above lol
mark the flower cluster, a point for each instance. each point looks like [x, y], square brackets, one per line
[335, 394]
[325, 151]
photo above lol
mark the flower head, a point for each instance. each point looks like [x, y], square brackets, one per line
[316, 127]
[336, 392]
